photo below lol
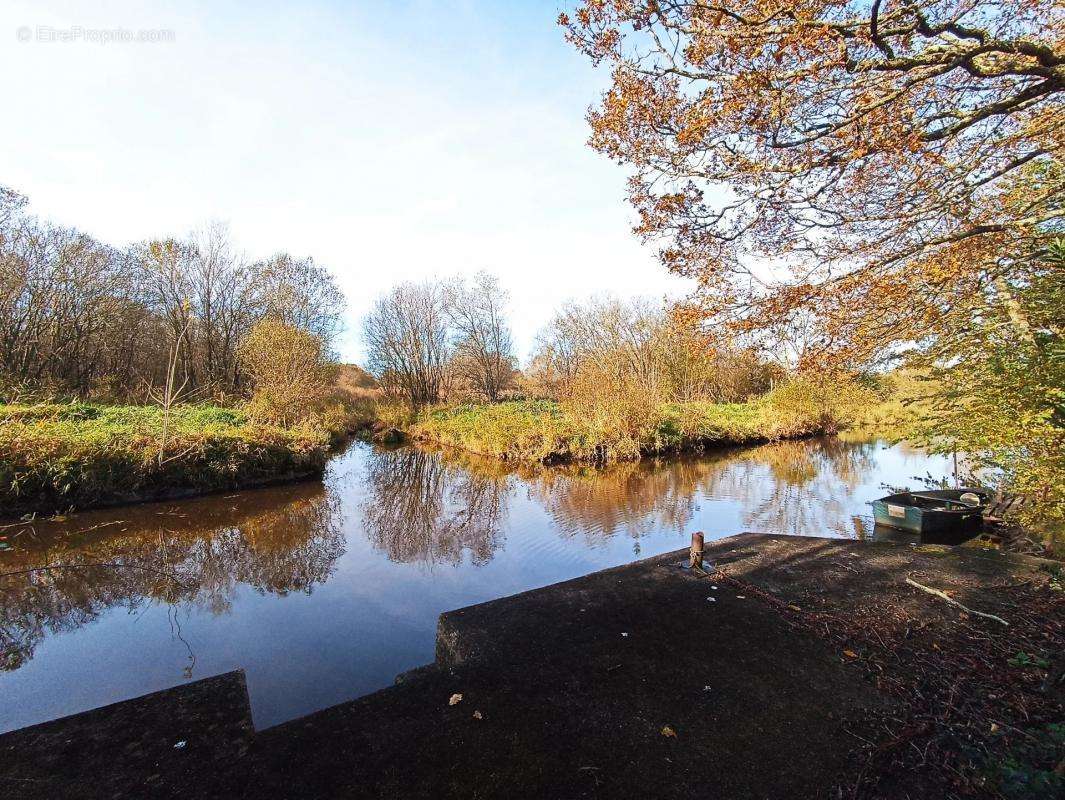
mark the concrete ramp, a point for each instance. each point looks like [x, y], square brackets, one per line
[643, 681]
[180, 742]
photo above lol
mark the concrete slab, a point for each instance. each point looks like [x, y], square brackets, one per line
[640, 681]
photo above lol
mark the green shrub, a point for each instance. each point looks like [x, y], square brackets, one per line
[516, 430]
[821, 403]
[394, 414]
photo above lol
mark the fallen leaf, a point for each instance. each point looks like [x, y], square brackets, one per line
[850, 654]
[669, 732]
[455, 700]
[794, 607]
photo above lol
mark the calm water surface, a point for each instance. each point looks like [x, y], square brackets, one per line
[322, 593]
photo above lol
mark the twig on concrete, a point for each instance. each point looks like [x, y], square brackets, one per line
[944, 596]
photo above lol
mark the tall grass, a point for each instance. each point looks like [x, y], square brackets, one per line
[516, 430]
[547, 431]
[61, 456]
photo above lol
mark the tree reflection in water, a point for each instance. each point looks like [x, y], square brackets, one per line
[635, 497]
[811, 482]
[797, 487]
[424, 508]
[193, 555]
[420, 507]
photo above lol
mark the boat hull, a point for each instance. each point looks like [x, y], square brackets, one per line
[905, 512]
[920, 520]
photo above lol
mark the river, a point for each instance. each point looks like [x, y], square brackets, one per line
[323, 592]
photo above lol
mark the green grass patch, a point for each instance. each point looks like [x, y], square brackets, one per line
[63, 456]
[544, 431]
[520, 431]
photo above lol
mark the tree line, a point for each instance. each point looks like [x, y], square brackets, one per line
[443, 340]
[642, 345]
[430, 341]
[82, 317]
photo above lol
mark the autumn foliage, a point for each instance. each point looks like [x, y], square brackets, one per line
[292, 371]
[881, 168]
[861, 182]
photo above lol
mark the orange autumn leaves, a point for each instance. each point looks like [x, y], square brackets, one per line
[807, 160]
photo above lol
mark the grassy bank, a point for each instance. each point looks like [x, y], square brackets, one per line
[545, 431]
[55, 457]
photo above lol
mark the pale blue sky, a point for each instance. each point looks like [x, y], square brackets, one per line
[387, 140]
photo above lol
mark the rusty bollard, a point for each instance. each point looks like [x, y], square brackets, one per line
[695, 559]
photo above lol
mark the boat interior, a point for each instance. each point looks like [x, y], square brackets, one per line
[929, 502]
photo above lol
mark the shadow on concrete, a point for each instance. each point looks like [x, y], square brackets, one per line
[640, 681]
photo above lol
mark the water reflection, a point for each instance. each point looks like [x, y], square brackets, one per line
[324, 592]
[419, 507]
[163, 555]
[802, 488]
[423, 508]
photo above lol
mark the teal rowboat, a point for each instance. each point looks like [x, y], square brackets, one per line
[933, 511]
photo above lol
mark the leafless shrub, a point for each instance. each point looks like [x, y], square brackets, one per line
[408, 342]
[643, 346]
[483, 350]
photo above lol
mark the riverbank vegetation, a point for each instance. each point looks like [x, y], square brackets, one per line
[610, 380]
[869, 224]
[547, 431]
[54, 457]
[172, 366]
[59, 456]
